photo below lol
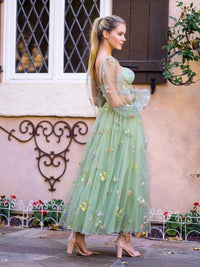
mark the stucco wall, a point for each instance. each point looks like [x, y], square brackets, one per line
[172, 124]
[1, 38]
[19, 172]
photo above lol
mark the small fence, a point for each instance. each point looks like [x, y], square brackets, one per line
[47, 214]
[35, 213]
[174, 226]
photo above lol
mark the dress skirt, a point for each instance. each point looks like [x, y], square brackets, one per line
[111, 191]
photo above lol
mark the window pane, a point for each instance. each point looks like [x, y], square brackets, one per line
[79, 16]
[32, 37]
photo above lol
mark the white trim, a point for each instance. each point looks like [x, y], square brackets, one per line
[9, 39]
[58, 53]
[40, 78]
[105, 8]
[52, 22]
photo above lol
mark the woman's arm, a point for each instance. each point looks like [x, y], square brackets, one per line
[94, 91]
[109, 78]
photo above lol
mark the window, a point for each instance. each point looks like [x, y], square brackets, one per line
[79, 16]
[32, 37]
[49, 39]
[147, 26]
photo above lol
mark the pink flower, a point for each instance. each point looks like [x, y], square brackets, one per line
[5, 202]
[129, 193]
[89, 181]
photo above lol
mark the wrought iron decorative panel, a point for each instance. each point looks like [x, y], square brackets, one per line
[79, 16]
[52, 143]
[32, 36]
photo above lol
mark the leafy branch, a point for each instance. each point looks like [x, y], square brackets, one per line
[183, 46]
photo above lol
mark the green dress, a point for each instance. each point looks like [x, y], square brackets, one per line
[111, 190]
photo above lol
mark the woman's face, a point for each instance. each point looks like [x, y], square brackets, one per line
[116, 37]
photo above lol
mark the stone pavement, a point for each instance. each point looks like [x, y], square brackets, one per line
[21, 247]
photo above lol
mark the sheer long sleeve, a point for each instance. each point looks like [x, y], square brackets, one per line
[118, 92]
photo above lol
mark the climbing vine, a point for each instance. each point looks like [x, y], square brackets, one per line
[183, 46]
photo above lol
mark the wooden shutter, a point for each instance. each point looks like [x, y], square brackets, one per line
[147, 26]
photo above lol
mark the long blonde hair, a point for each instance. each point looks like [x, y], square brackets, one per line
[107, 23]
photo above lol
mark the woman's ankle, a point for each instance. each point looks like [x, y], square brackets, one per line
[125, 237]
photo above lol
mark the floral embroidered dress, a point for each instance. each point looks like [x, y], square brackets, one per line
[111, 190]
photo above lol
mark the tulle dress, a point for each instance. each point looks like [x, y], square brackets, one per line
[111, 191]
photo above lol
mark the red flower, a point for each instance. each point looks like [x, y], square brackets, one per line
[13, 196]
[165, 213]
[183, 218]
[38, 202]
[5, 202]
[196, 204]
[43, 212]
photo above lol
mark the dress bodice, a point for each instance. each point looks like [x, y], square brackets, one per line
[117, 82]
[128, 75]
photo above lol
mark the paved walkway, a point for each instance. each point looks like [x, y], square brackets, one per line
[20, 247]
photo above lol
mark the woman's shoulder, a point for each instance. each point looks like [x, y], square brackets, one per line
[110, 61]
[110, 58]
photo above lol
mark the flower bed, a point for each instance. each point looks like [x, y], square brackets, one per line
[34, 214]
[176, 226]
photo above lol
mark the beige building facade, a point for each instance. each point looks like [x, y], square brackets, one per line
[44, 108]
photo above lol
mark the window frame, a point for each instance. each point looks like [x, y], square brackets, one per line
[56, 47]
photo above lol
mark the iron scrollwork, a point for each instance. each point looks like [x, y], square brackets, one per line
[52, 143]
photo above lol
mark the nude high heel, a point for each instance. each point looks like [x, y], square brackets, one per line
[72, 243]
[120, 247]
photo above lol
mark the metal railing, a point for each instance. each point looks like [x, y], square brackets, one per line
[173, 225]
[38, 213]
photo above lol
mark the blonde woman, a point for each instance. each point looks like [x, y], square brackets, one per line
[111, 189]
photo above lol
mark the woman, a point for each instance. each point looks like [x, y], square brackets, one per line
[111, 190]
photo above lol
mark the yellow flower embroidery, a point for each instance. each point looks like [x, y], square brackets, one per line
[133, 166]
[118, 212]
[84, 206]
[103, 176]
[106, 108]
